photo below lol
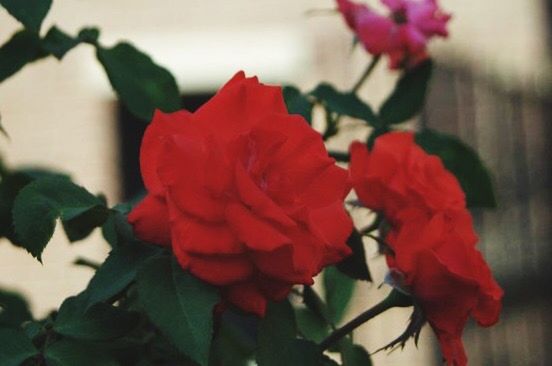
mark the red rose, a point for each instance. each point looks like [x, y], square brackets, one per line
[432, 240]
[446, 274]
[397, 173]
[244, 193]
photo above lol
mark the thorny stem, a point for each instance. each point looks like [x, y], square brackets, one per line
[394, 299]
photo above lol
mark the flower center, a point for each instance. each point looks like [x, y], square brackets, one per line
[399, 16]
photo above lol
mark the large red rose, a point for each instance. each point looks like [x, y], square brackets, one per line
[432, 241]
[244, 193]
[397, 173]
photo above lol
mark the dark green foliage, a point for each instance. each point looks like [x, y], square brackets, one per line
[464, 163]
[298, 103]
[116, 230]
[353, 354]
[339, 289]
[15, 347]
[30, 13]
[89, 35]
[141, 84]
[235, 340]
[277, 343]
[58, 43]
[311, 326]
[24, 47]
[408, 98]
[14, 309]
[344, 104]
[41, 202]
[355, 265]
[118, 271]
[101, 322]
[314, 303]
[179, 304]
[12, 182]
[68, 352]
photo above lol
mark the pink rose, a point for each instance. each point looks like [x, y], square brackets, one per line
[403, 34]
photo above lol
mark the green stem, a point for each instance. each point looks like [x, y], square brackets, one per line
[340, 156]
[366, 74]
[332, 125]
[394, 299]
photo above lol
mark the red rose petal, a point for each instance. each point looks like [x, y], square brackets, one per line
[239, 105]
[221, 270]
[247, 297]
[333, 225]
[162, 126]
[256, 233]
[259, 202]
[201, 237]
[150, 220]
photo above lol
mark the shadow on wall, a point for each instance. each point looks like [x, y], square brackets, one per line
[512, 132]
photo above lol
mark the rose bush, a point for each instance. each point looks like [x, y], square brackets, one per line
[243, 202]
[431, 241]
[244, 193]
[403, 35]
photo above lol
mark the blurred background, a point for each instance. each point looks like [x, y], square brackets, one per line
[492, 88]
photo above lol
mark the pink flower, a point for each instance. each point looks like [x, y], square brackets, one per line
[403, 35]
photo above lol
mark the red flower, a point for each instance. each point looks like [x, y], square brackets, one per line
[397, 173]
[403, 35]
[244, 193]
[432, 240]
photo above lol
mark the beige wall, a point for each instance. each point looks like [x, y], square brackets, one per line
[62, 116]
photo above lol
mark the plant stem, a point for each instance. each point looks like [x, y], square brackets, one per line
[366, 74]
[339, 156]
[394, 299]
[331, 126]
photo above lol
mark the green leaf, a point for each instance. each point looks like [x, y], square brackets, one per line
[117, 230]
[118, 271]
[24, 47]
[67, 352]
[14, 309]
[464, 163]
[179, 304]
[311, 326]
[339, 289]
[58, 43]
[355, 265]
[314, 303]
[12, 182]
[15, 347]
[346, 104]
[277, 336]
[89, 35]
[30, 13]
[39, 204]
[78, 224]
[408, 98]
[100, 322]
[235, 340]
[298, 103]
[141, 84]
[354, 355]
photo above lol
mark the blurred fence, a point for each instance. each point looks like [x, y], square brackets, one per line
[512, 132]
